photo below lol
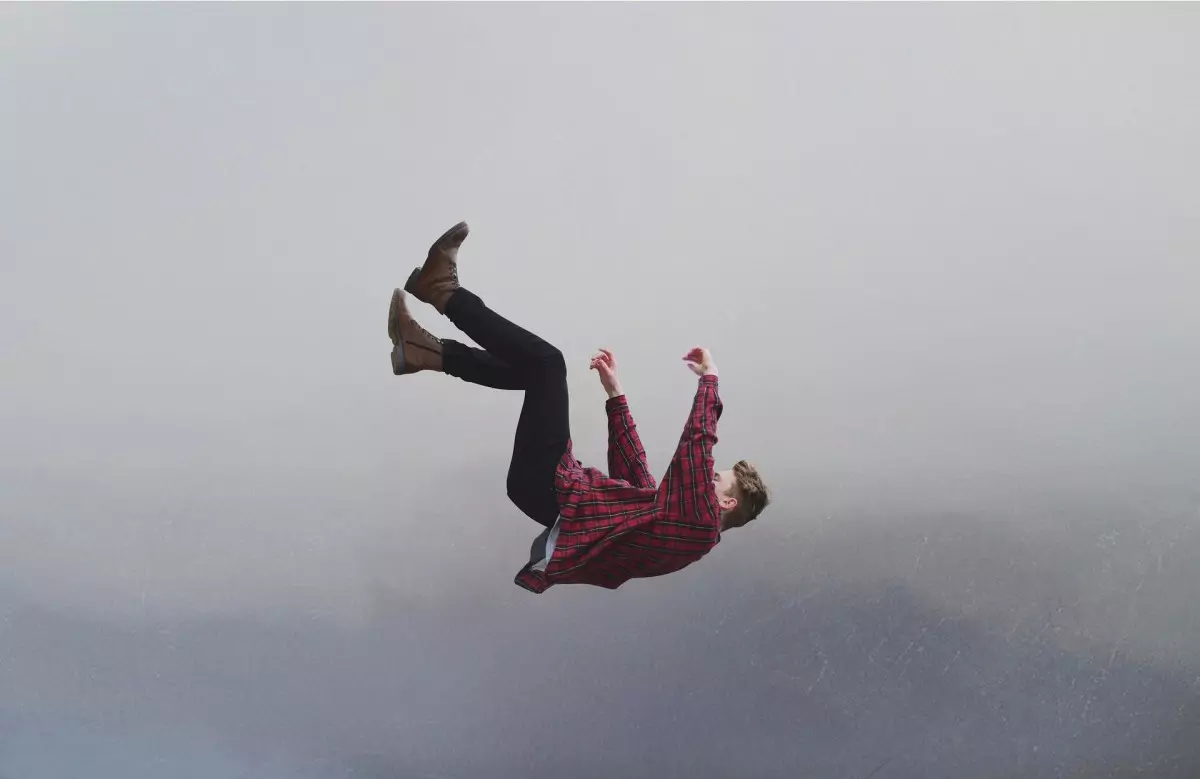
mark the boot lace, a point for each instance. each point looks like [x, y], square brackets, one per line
[424, 332]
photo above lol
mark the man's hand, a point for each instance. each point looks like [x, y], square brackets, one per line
[605, 364]
[701, 362]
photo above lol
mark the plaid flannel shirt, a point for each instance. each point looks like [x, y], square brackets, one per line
[622, 525]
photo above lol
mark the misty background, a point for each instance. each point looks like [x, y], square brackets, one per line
[944, 255]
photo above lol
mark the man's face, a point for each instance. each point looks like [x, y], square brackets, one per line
[724, 483]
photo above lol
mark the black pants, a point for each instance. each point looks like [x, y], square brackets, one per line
[515, 359]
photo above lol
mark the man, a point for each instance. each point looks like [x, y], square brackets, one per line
[601, 529]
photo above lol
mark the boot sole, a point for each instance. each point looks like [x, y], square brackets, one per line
[461, 227]
[394, 333]
[394, 317]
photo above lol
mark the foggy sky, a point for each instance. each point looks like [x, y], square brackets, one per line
[944, 256]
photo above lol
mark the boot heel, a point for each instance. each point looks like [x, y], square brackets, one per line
[412, 282]
[398, 359]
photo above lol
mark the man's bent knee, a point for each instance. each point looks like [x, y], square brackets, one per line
[550, 361]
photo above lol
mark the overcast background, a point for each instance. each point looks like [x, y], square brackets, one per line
[946, 259]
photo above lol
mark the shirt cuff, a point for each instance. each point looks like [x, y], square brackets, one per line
[618, 402]
[710, 378]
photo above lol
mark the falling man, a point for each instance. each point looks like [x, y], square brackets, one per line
[600, 529]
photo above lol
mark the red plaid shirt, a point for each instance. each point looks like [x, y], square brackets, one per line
[613, 528]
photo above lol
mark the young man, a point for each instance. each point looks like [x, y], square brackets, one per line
[601, 529]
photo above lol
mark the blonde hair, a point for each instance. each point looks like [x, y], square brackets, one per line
[751, 493]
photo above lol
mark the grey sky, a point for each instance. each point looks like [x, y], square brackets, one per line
[945, 256]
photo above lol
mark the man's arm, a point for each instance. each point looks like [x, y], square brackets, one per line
[626, 457]
[687, 491]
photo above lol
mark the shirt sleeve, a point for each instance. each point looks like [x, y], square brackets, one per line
[687, 492]
[626, 457]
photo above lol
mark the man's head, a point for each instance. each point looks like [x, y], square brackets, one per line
[741, 493]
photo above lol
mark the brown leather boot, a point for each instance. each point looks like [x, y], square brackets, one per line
[413, 347]
[435, 281]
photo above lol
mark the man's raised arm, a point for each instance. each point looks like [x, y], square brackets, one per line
[687, 491]
[626, 457]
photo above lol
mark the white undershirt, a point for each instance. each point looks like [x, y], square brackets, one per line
[540, 565]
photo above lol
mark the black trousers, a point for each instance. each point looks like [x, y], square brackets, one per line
[513, 358]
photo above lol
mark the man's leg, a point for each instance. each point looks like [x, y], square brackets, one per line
[479, 367]
[543, 430]
[528, 354]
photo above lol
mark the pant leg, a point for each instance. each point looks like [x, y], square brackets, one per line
[513, 344]
[479, 367]
[543, 430]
